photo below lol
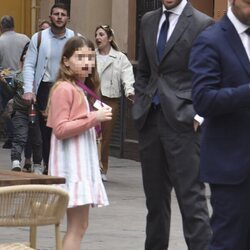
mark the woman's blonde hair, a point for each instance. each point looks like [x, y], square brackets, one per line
[66, 74]
[110, 33]
[42, 23]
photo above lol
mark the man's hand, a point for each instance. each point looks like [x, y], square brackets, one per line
[29, 97]
[131, 98]
[196, 125]
[198, 120]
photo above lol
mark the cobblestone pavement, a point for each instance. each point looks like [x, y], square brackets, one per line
[120, 226]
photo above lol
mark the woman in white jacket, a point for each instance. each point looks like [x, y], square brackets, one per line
[115, 71]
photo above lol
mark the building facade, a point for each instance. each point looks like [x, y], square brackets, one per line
[124, 17]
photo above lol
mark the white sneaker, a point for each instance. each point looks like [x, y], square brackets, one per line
[16, 166]
[38, 169]
[104, 177]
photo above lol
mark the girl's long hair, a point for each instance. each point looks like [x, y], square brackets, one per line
[66, 74]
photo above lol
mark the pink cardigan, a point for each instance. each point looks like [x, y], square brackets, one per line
[69, 114]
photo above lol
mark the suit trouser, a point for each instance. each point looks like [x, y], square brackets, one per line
[231, 216]
[169, 160]
[107, 128]
[42, 99]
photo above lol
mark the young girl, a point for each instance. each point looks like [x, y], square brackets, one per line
[73, 152]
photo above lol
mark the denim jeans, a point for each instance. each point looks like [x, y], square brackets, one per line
[22, 130]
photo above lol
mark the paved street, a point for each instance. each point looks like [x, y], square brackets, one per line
[120, 226]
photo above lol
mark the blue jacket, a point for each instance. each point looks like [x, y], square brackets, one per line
[221, 93]
[34, 67]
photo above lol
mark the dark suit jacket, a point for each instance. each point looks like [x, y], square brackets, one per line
[171, 76]
[221, 94]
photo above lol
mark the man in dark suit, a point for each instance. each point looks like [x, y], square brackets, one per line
[164, 116]
[221, 93]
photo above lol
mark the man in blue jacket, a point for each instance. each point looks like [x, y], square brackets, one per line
[41, 65]
[220, 62]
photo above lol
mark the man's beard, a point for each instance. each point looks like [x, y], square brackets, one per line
[54, 25]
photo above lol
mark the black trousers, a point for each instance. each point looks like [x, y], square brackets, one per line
[42, 100]
[170, 159]
[231, 218]
[21, 132]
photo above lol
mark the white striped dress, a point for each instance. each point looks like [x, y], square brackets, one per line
[76, 159]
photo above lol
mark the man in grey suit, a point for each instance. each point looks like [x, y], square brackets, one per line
[163, 112]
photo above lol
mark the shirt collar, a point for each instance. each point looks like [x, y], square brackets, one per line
[112, 52]
[239, 26]
[60, 37]
[176, 10]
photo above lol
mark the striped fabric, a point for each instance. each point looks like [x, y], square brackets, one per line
[76, 159]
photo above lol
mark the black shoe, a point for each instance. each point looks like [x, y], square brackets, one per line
[45, 171]
[27, 167]
[7, 144]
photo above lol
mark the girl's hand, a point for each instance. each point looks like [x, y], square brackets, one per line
[104, 114]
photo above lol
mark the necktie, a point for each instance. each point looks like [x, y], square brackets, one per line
[248, 31]
[161, 47]
[163, 36]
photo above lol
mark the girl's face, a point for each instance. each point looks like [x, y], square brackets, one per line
[81, 62]
[101, 39]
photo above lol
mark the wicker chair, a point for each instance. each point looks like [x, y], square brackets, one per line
[32, 206]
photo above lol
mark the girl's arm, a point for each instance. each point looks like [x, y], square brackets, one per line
[65, 123]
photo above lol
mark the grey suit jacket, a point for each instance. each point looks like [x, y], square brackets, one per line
[171, 75]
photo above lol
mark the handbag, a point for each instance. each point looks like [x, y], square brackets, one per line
[8, 90]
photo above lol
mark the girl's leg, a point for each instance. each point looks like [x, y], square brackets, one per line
[77, 223]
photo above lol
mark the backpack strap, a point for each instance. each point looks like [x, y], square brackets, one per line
[39, 38]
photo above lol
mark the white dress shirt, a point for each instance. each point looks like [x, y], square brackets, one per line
[173, 18]
[241, 28]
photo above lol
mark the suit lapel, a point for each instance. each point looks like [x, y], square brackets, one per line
[235, 42]
[180, 27]
[154, 29]
[107, 63]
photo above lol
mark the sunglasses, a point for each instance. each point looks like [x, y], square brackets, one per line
[105, 26]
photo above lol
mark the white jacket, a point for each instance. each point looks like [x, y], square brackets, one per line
[114, 72]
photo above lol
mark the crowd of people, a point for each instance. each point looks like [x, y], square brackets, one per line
[52, 97]
[191, 91]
